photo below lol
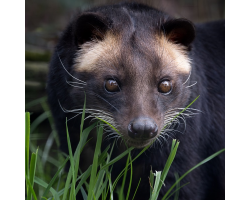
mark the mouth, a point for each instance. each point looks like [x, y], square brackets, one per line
[139, 144]
[130, 142]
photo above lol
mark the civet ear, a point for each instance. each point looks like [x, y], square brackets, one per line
[90, 26]
[180, 31]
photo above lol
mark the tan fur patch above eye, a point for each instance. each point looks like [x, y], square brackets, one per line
[173, 54]
[90, 53]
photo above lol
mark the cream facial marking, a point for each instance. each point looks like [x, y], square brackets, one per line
[173, 54]
[91, 52]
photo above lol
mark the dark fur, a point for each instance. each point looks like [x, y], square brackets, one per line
[204, 134]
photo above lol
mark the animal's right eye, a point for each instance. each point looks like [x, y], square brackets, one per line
[111, 85]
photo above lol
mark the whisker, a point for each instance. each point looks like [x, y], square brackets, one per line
[107, 102]
[192, 85]
[73, 85]
[74, 116]
[67, 70]
[187, 78]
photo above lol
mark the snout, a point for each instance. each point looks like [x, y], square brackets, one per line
[142, 128]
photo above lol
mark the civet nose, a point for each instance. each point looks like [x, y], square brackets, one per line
[142, 128]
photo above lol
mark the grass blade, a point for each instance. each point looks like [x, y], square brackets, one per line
[84, 194]
[131, 175]
[83, 138]
[103, 156]
[99, 183]
[169, 162]
[32, 172]
[120, 194]
[30, 189]
[156, 185]
[177, 190]
[83, 114]
[182, 111]
[71, 158]
[117, 158]
[176, 196]
[199, 164]
[151, 181]
[110, 125]
[38, 121]
[45, 185]
[95, 163]
[136, 189]
[83, 178]
[27, 145]
[54, 178]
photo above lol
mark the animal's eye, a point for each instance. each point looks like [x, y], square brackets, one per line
[165, 87]
[111, 85]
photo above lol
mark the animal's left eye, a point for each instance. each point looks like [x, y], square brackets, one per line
[165, 87]
[111, 85]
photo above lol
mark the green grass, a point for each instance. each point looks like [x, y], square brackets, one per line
[44, 182]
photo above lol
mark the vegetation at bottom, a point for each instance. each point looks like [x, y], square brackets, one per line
[43, 182]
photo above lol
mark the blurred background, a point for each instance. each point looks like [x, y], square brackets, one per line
[44, 21]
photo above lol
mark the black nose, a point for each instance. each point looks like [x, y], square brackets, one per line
[142, 128]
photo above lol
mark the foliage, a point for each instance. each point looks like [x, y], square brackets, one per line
[95, 182]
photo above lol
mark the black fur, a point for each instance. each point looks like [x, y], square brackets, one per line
[204, 134]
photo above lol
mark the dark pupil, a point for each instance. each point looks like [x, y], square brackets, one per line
[112, 86]
[164, 86]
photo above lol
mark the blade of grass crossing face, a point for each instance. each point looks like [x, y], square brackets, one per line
[95, 163]
[110, 125]
[182, 111]
[199, 164]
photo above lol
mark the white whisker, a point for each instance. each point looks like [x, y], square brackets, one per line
[68, 72]
[187, 78]
[73, 85]
[192, 85]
